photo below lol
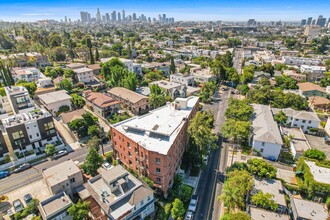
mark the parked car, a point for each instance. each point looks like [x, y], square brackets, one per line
[22, 167]
[206, 159]
[4, 174]
[193, 203]
[189, 215]
[27, 198]
[9, 212]
[18, 206]
[59, 154]
[107, 166]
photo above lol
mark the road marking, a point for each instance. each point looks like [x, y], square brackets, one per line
[214, 186]
[22, 180]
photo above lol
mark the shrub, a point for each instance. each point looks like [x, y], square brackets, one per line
[315, 154]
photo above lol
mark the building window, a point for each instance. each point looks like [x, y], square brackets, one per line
[158, 180]
[157, 170]
[158, 160]
[142, 202]
[261, 150]
[304, 121]
[128, 145]
[129, 154]
[30, 136]
[309, 122]
[130, 162]
[296, 119]
[37, 134]
[263, 144]
[72, 180]
[18, 135]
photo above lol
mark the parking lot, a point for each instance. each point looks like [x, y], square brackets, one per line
[37, 190]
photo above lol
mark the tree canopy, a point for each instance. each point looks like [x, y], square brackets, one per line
[315, 154]
[79, 211]
[261, 168]
[264, 200]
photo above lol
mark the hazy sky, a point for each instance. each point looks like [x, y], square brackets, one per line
[226, 10]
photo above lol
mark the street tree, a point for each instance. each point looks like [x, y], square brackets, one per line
[235, 130]
[236, 216]
[235, 189]
[93, 161]
[200, 130]
[178, 209]
[239, 110]
[50, 149]
[79, 211]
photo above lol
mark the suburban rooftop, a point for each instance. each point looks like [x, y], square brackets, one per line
[54, 97]
[320, 174]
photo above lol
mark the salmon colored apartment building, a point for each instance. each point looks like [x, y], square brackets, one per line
[153, 144]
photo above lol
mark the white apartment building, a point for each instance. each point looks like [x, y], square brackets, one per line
[84, 75]
[28, 74]
[266, 137]
[298, 61]
[187, 80]
[312, 69]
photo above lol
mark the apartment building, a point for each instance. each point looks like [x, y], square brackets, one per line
[28, 59]
[303, 209]
[17, 98]
[64, 177]
[52, 101]
[84, 75]
[202, 75]
[116, 194]
[300, 119]
[29, 131]
[153, 144]
[55, 207]
[289, 53]
[300, 61]
[101, 104]
[130, 100]
[28, 74]
[266, 137]
[187, 80]
[173, 89]
[294, 75]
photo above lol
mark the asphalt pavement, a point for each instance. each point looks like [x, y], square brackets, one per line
[209, 187]
[17, 180]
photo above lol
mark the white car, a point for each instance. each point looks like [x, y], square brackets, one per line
[206, 159]
[193, 203]
[189, 216]
[107, 166]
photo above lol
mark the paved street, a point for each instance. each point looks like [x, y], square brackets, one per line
[208, 189]
[33, 174]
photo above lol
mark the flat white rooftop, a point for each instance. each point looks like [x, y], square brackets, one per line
[320, 174]
[157, 130]
[54, 97]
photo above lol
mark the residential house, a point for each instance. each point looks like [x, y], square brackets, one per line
[202, 75]
[96, 68]
[64, 177]
[308, 89]
[84, 75]
[133, 101]
[67, 117]
[298, 141]
[187, 80]
[319, 103]
[27, 132]
[262, 214]
[28, 74]
[157, 66]
[116, 194]
[273, 187]
[301, 119]
[294, 75]
[101, 104]
[175, 90]
[74, 66]
[55, 207]
[289, 53]
[266, 137]
[54, 100]
[153, 144]
[17, 98]
[303, 209]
